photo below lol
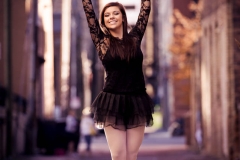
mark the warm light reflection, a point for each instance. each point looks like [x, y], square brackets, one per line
[206, 90]
[65, 52]
[224, 83]
[86, 79]
[28, 6]
[45, 14]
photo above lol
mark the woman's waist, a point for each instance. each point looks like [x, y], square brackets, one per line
[125, 91]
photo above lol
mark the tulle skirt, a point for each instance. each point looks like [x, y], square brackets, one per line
[122, 111]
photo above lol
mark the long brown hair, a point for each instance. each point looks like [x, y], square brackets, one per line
[128, 44]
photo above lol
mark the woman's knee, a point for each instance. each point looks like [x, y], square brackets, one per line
[132, 155]
[118, 154]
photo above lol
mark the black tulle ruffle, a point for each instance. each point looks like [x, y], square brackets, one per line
[122, 111]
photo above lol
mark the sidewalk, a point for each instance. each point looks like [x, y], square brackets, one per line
[156, 146]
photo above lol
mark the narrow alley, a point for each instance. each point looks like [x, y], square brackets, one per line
[156, 146]
[178, 70]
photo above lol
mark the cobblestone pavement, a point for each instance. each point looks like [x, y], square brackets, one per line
[157, 146]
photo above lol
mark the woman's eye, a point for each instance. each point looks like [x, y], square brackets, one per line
[114, 13]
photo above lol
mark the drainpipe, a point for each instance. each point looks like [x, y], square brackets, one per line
[8, 72]
[30, 141]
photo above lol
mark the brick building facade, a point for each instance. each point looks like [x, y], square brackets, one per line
[183, 40]
[215, 81]
[13, 87]
[20, 61]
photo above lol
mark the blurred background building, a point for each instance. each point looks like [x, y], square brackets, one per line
[48, 65]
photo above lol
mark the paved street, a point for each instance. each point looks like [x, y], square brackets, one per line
[157, 146]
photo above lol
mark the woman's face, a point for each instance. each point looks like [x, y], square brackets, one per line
[113, 18]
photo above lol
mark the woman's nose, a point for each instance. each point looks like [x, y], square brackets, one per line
[111, 16]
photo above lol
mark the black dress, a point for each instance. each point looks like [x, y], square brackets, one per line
[123, 103]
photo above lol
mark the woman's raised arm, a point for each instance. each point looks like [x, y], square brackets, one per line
[93, 24]
[141, 25]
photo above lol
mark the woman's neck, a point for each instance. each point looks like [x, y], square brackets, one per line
[117, 33]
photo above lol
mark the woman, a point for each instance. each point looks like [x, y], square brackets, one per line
[72, 131]
[87, 129]
[123, 108]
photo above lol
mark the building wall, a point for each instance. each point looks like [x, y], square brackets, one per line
[214, 82]
[2, 44]
[19, 72]
[163, 38]
[210, 8]
[18, 29]
[196, 140]
[180, 65]
[183, 6]
[19, 56]
[18, 69]
[218, 69]
[2, 82]
[234, 116]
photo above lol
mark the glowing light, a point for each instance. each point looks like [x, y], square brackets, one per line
[45, 13]
[206, 88]
[65, 51]
[27, 6]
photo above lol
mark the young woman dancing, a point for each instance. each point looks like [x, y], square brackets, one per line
[123, 107]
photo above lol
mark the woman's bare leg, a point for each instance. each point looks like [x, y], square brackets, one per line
[117, 143]
[134, 141]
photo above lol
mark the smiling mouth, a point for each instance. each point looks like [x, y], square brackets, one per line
[113, 22]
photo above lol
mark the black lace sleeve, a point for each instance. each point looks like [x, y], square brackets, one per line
[97, 34]
[140, 27]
